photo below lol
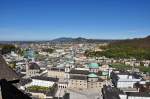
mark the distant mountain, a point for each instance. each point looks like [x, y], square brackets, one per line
[79, 40]
[62, 39]
[139, 41]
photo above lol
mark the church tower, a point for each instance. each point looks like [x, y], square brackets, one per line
[67, 71]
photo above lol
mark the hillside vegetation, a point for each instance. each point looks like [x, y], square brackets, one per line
[135, 48]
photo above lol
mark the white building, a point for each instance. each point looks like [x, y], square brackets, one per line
[42, 81]
[114, 93]
[125, 80]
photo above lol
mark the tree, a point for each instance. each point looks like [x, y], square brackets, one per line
[7, 49]
[49, 50]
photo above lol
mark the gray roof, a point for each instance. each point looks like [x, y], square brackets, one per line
[111, 92]
[6, 72]
[139, 94]
[83, 72]
[56, 69]
[78, 77]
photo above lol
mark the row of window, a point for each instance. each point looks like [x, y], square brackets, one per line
[79, 81]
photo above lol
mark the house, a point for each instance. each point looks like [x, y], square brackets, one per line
[56, 72]
[46, 87]
[115, 93]
[78, 82]
[32, 69]
[146, 64]
[42, 81]
[125, 79]
[94, 81]
[104, 67]
[82, 79]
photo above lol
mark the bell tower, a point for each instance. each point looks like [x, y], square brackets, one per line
[67, 71]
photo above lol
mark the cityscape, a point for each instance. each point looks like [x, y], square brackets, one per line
[74, 49]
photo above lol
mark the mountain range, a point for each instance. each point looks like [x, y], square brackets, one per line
[80, 40]
[137, 41]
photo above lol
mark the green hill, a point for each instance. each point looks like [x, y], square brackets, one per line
[133, 48]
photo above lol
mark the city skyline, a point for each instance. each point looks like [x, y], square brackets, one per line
[96, 19]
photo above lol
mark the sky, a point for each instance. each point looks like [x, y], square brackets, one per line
[50, 19]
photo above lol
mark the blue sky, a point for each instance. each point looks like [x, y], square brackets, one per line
[49, 19]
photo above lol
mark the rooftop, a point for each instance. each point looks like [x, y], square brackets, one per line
[45, 78]
[57, 69]
[25, 81]
[78, 77]
[6, 72]
[83, 72]
[139, 94]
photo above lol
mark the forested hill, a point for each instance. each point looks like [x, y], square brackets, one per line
[133, 48]
[137, 43]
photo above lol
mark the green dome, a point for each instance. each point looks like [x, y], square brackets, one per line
[29, 54]
[93, 65]
[92, 75]
[104, 73]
